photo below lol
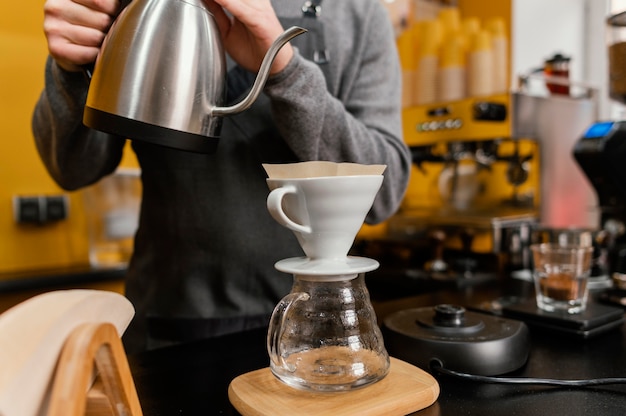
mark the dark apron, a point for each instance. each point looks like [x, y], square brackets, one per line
[311, 46]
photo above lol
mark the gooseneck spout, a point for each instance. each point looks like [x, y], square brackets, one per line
[262, 76]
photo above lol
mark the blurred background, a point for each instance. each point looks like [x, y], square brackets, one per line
[474, 83]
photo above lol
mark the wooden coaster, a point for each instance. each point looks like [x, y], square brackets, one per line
[405, 389]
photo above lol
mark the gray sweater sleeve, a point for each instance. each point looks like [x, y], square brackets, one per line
[73, 154]
[359, 122]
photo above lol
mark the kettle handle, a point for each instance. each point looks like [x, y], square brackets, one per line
[277, 329]
[262, 76]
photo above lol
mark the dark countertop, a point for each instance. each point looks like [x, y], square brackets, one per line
[193, 379]
[47, 279]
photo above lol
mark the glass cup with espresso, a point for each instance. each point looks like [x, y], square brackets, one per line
[561, 274]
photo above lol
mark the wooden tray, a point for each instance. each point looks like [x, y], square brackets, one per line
[406, 389]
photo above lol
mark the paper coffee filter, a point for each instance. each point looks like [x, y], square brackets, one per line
[316, 169]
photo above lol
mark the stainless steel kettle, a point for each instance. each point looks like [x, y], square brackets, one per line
[160, 76]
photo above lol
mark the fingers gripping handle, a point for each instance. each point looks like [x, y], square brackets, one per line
[275, 207]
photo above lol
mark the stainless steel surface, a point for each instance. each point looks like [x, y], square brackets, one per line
[557, 123]
[163, 64]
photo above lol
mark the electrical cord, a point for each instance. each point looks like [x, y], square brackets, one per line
[528, 380]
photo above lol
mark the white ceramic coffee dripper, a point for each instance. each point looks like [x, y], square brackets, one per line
[324, 204]
[324, 336]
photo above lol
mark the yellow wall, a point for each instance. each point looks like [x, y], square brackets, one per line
[23, 51]
[29, 247]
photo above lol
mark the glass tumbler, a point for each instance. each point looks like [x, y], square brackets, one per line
[561, 274]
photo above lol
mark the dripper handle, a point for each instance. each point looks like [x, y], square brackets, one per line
[275, 207]
[277, 329]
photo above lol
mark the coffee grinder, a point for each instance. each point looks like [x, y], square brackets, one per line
[601, 153]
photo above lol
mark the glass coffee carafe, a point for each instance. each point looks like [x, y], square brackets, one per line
[323, 335]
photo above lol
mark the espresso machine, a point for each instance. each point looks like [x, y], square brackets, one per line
[473, 193]
[488, 174]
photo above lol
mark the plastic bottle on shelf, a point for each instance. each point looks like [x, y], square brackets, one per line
[450, 19]
[428, 61]
[451, 74]
[480, 66]
[500, 45]
[470, 26]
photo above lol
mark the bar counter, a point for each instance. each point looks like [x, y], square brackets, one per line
[193, 379]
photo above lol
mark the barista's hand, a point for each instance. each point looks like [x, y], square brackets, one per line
[249, 31]
[75, 29]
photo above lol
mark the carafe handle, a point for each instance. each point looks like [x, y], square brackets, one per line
[277, 329]
[275, 207]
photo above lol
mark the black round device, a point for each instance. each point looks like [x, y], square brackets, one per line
[448, 336]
